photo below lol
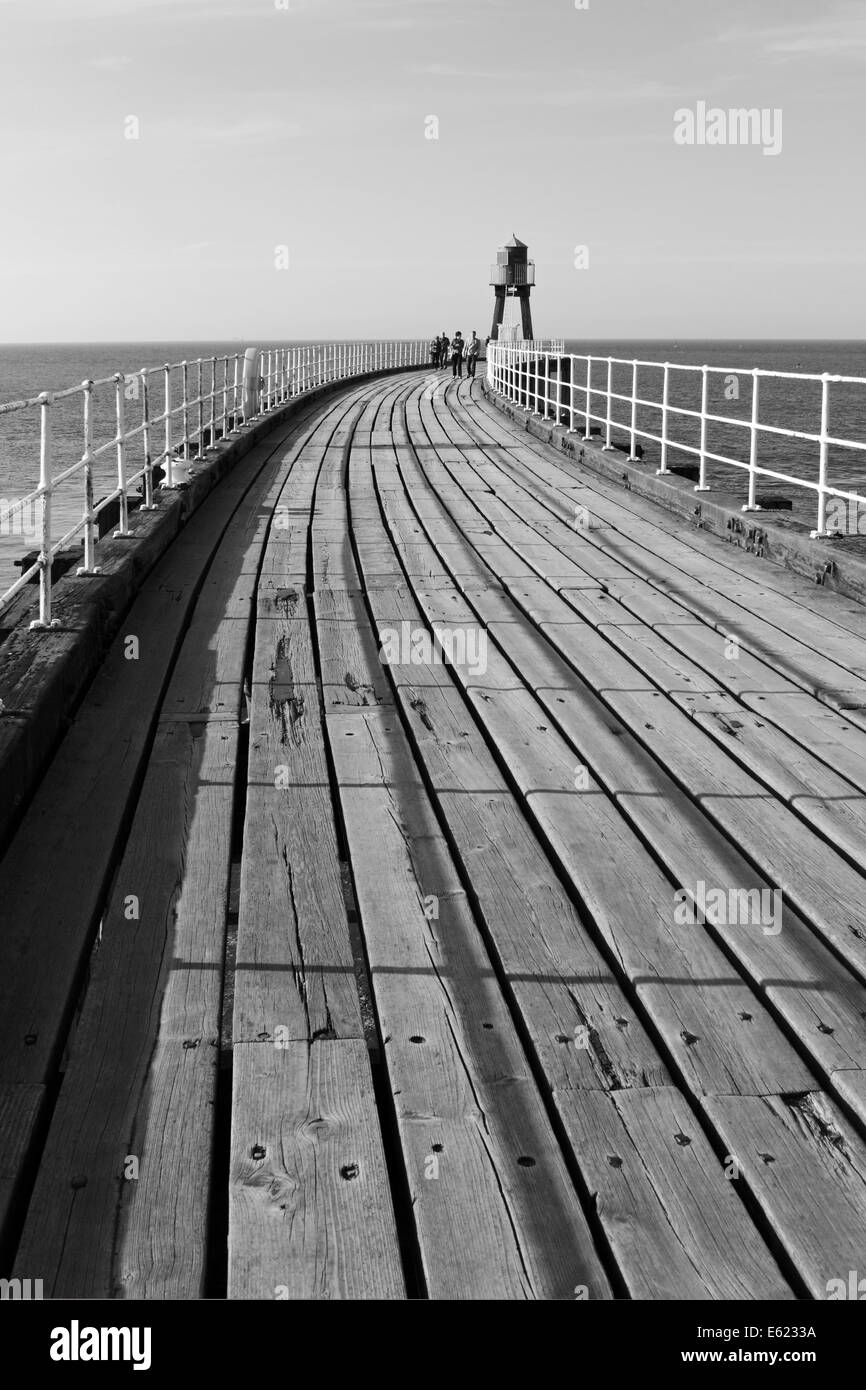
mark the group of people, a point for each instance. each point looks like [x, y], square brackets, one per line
[455, 351]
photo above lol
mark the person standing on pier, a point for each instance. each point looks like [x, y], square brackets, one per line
[457, 346]
[434, 351]
[472, 352]
[444, 348]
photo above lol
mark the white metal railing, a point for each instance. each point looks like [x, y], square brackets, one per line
[523, 273]
[532, 375]
[554, 347]
[218, 395]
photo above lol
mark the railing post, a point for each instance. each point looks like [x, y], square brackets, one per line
[225, 397]
[546, 385]
[751, 505]
[250, 386]
[123, 528]
[632, 458]
[822, 459]
[701, 485]
[607, 444]
[213, 403]
[665, 398]
[185, 375]
[89, 540]
[571, 361]
[200, 403]
[148, 505]
[588, 434]
[169, 469]
[235, 393]
[45, 557]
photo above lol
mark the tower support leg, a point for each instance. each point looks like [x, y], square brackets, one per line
[525, 313]
[498, 312]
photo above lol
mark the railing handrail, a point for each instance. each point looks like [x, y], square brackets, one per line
[513, 371]
[230, 390]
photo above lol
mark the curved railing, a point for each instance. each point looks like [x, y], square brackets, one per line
[558, 386]
[201, 403]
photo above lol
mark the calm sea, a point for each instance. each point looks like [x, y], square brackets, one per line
[27, 369]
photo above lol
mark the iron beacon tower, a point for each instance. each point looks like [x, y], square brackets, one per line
[512, 276]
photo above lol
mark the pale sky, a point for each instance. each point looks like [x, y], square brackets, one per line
[262, 126]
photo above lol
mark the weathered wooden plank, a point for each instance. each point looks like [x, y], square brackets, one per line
[20, 1108]
[156, 978]
[310, 1207]
[491, 1225]
[813, 789]
[808, 1169]
[294, 963]
[310, 1211]
[676, 1225]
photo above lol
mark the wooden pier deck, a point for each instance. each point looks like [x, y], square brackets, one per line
[326, 977]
